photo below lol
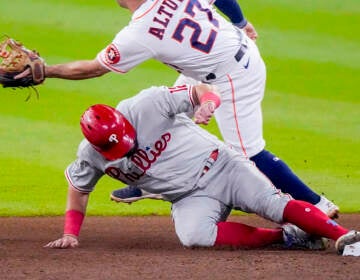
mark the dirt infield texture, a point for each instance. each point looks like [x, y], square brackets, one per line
[147, 248]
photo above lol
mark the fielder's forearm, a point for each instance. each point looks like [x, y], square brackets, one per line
[76, 70]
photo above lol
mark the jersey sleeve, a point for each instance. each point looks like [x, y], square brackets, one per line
[158, 101]
[125, 52]
[179, 99]
[82, 176]
[82, 173]
[162, 100]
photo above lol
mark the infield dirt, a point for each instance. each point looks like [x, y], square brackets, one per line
[147, 248]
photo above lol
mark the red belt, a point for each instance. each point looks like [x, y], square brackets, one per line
[210, 161]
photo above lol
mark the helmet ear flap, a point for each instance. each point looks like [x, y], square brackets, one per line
[108, 131]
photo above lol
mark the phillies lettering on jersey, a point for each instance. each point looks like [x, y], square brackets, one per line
[143, 159]
[118, 174]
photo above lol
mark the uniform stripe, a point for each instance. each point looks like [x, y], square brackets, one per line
[107, 65]
[235, 115]
[190, 90]
[146, 12]
[71, 183]
[178, 88]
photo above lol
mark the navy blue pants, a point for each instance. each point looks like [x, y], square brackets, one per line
[283, 177]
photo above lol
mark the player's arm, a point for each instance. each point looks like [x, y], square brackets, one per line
[207, 98]
[74, 216]
[232, 10]
[196, 101]
[75, 70]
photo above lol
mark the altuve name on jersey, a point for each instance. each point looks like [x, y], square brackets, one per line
[164, 14]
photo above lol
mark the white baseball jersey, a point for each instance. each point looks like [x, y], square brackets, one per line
[181, 34]
[191, 37]
[170, 159]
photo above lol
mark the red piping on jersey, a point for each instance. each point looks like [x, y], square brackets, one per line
[190, 89]
[235, 116]
[152, 6]
[71, 183]
[103, 62]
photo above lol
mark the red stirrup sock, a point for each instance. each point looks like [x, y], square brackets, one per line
[240, 235]
[312, 220]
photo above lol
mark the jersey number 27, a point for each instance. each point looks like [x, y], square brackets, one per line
[196, 28]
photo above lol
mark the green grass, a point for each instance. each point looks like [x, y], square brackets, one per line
[311, 106]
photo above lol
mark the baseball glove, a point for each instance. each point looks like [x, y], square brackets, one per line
[15, 59]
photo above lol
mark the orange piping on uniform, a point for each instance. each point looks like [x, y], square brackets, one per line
[103, 62]
[152, 6]
[235, 115]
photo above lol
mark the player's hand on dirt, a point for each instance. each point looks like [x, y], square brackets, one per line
[204, 113]
[250, 31]
[67, 241]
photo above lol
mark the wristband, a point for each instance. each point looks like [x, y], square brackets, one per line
[210, 96]
[241, 24]
[73, 222]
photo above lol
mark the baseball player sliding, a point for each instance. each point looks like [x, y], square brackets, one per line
[192, 38]
[148, 142]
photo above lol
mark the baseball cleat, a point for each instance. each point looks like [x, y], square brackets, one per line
[352, 238]
[131, 194]
[328, 207]
[294, 237]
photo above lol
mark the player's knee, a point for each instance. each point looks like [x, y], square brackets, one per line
[198, 236]
[272, 206]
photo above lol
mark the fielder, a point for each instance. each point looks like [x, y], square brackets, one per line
[149, 142]
[192, 38]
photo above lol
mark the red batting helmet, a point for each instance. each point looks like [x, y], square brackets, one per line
[108, 131]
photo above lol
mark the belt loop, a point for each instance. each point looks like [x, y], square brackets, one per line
[239, 55]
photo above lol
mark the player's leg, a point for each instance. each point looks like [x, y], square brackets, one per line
[315, 222]
[242, 235]
[286, 180]
[200, 221]
[263, 199]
